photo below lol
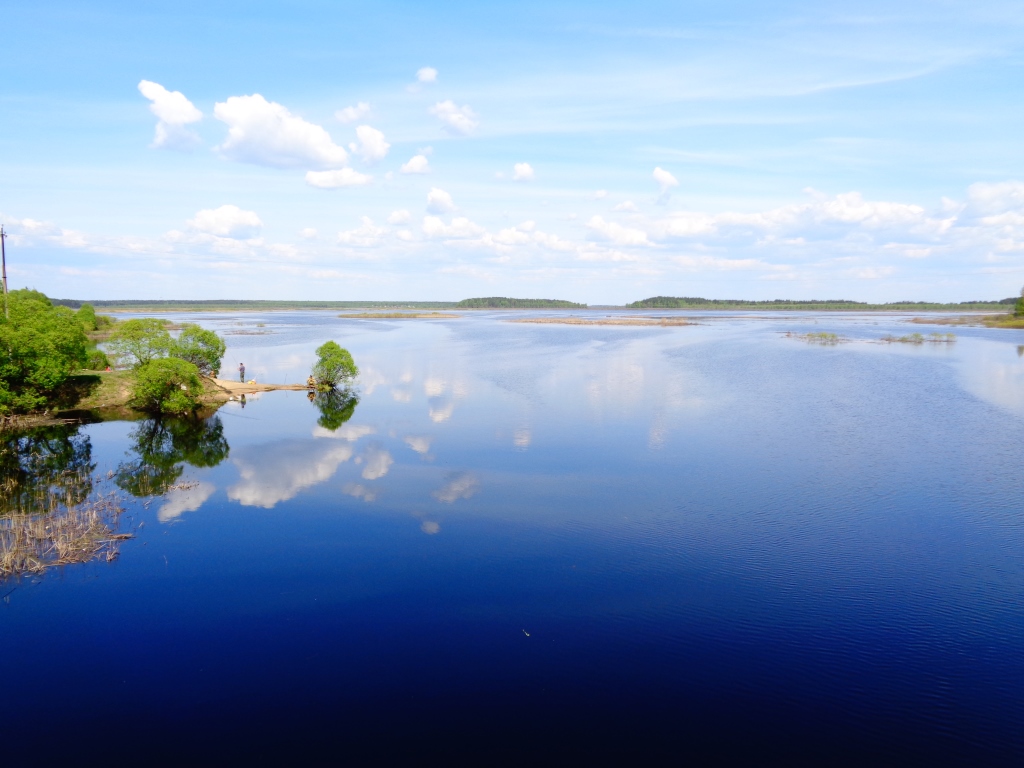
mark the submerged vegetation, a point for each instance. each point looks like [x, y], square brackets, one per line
[821, 337]
[917, 338]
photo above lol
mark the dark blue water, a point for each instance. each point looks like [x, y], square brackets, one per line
[554, 543]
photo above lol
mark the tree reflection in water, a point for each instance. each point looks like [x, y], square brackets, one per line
[162, 447]
[42, 466]
[336, 406]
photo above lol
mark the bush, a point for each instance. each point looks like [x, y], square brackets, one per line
[204, 349]
[137, 342]
[87, 317]
[40, 346]
[104, 321]
[334, 365]
[167, 385]
[97, 360]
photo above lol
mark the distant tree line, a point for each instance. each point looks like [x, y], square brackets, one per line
[501, 302]
[696, 302]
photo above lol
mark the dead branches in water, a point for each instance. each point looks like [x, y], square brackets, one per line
[64, 535]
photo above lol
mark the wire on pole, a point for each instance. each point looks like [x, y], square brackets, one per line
[3, 261]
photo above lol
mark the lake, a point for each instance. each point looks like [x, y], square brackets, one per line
[715, 543]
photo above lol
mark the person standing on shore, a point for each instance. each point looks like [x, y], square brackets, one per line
[241, 372]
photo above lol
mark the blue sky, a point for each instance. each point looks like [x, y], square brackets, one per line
[600, 152]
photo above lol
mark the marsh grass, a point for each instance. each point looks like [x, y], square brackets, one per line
[63, 534]
[917, 338]
[821, 338]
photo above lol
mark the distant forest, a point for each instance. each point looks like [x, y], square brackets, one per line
[695, 302]
[500, 302]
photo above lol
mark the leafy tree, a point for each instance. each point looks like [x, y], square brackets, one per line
[336, 406]
[203, 348]
[40, 346]
[1018, 310]
[96, 360]
[162, 447]
[167, 385]
[139, 341]
[333, 366]
[87, 317]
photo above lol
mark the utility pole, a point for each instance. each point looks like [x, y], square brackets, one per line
[3, 260]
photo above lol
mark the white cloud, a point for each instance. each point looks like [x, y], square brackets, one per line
[461, 486]
[377, 463]
[344, 177]
[265, 133]
[996, 198]
[426, 75]
[360, 491]
[184, 500]
[665, 180]
[351, 114]
[371, 146]
[439, 201]
[460, 121]
[417, 164]
[616, 233]
[522, 172]
[173, 112]
[400, 216]
[365, 235]
[419, 444]
[460, 227]
[308, 233]
[628, 205]
[601, 194]
[227, 221]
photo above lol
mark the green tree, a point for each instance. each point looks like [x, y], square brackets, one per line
[167, 385]
[333, 366]
[336, 406]
[43, 465]
[203, 348]
[87, 317]
[40, 346]
[161, 448]
[1018, 310]
[137, 342]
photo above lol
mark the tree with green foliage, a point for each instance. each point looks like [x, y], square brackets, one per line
[336, 406]
[139, 341]
[333, 366]
[40, 346]
[160, 449]
[203, 348]
[87, 317]
[167, 385]
[43, 464]
[1018, 309]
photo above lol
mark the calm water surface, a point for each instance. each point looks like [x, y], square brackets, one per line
[551, 543]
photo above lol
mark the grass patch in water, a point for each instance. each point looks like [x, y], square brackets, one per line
[917, 338]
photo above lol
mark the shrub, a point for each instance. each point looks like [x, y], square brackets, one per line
[204, 349]
[97, 360]
[87, 317]
[40, 346]
[334, 365]
[167, 385]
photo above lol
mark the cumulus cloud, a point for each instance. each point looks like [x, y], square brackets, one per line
[343, 177]
[417, 164]
[377, 462]
[628, 205]
[371, 145]
[266, 133]
[227, 221]
[400, 216]
[616, 233]
[351, 114]
[666, 181]
[365, 235]
[419, 444]
[184, 500]
[460, 227]
[522, 172]
[460, 486]
[426, 75]
[173, 112]
[459, 121]
[308, 233]
[439, 201]
[359, 491]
